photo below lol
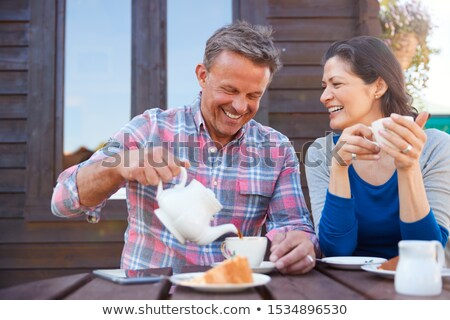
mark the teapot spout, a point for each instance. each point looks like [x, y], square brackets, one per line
[213, 233]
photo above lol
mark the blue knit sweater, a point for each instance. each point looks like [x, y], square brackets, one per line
[368, 224]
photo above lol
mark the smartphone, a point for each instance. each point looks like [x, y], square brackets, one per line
[122, 276]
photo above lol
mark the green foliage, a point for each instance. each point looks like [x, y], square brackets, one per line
[409, 17]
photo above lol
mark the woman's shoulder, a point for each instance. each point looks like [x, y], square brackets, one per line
[437, 147]
[435, 136]
[322, 145]
[330, 138]
[437, 139]
[320, 151]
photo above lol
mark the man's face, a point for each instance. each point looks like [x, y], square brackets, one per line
[231, 93]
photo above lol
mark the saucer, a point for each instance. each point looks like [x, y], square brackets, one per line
[350, 262]
[373, 268]
[264, 267]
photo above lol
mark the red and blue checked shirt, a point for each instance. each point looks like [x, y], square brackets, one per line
[255, 177]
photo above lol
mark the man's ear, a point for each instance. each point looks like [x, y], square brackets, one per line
[381, 88]
[201, 73]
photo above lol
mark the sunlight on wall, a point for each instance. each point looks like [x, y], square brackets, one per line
[435, 96]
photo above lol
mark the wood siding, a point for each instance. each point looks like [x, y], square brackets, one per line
[303, 30]
[31, 91]
[36, 250]
[14, 39]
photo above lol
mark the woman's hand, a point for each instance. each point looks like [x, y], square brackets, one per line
[409, 138]
[356, 143]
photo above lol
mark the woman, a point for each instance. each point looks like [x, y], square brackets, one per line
[366, 197]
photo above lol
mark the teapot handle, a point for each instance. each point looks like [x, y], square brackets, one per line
[179, 185]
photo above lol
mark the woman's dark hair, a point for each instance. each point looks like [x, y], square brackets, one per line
[370, 58]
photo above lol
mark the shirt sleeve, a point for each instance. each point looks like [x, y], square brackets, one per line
[426, 228]
[334, 217]
[339, 226]
[436, 176]
[65, 200]
[287, 209]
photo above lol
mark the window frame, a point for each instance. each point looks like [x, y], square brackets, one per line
[46, 99]
[46, 93]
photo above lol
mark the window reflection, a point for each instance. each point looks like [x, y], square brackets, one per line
[97, 99]
[189, 25]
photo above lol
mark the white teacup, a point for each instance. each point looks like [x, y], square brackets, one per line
[419, 268]
[377, 125]
[254, 248]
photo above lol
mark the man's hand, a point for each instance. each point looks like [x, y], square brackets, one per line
[148, 166]
[293, 252]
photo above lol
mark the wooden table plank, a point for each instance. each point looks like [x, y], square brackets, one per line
[373, 286]
[184, 293]
[54, 288]
[100, 289]
[313, 285]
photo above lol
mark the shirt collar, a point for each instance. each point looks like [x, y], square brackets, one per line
[200, 122]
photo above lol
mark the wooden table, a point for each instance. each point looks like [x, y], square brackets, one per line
[322, 283]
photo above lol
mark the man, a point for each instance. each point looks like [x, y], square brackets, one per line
[252, 169]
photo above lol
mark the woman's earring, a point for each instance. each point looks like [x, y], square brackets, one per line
[376, 96]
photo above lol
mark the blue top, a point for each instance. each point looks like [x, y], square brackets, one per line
[368, 224]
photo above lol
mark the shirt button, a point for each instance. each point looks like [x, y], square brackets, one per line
[206, 250]
[213, 149]
[215, 182]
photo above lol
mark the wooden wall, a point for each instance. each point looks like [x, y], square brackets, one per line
[304, 29]
[38, 249]
[15, 17]
[33, 248]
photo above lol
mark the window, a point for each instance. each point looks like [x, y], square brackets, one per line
[45, 143]
[97, 83]
[186, 38]
[435, 98]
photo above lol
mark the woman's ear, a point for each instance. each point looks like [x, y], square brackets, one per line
[381, 88]
[201, 73]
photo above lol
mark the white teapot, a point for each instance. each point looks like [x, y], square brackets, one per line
[419, 268]
[187, 211]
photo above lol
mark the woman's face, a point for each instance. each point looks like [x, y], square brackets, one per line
[347, 97]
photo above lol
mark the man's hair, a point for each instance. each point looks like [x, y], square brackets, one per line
[254, 42]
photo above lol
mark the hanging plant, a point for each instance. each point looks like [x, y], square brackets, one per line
[406, 29]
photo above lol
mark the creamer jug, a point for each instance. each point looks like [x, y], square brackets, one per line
[419, 268]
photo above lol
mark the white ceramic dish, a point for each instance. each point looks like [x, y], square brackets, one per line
[182, 279]
[373, 268]
[264, 267]
[351, 262]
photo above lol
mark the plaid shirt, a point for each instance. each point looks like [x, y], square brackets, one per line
[255, 177]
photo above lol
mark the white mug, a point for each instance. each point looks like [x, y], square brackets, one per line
[254, 248]
[377, 125]
[419, 268]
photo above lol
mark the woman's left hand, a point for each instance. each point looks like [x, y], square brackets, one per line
[409, 139]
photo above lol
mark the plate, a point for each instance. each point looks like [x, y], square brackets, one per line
[264, 267]
[182, 279]
[373, 268]
[351, 262]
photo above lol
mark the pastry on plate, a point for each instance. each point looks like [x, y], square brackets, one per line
[231, 271]
[390, 265]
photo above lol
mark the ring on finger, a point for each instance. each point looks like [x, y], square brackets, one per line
[353, 156]
[407, 149]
